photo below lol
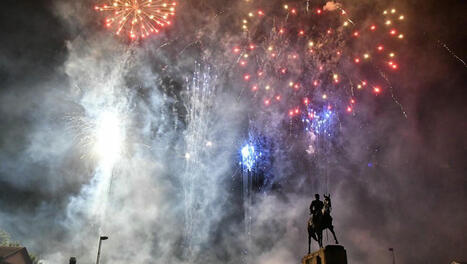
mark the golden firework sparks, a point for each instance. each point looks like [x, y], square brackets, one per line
[138, 18]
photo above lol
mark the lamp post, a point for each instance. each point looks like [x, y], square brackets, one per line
[99, 248]
[393, 255]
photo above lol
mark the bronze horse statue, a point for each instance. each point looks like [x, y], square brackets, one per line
[319, 222]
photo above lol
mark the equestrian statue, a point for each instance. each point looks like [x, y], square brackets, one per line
[320, 219]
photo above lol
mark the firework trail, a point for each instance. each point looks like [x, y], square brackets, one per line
[394, 97]
[101, 132]
[250, 155]
[200, 99]
[446, 47]
[321, 128]
[255, 163]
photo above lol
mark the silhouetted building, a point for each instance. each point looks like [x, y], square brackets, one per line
[332, 254]
[14, 255]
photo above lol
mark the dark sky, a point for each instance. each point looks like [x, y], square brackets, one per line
[414, 198]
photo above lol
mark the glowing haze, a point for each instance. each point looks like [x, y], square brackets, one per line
[109, 137]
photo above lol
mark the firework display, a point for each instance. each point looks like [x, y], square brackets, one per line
[203, 131]
[312, 64]
[306, 63]
[302, 59]
[138, 18]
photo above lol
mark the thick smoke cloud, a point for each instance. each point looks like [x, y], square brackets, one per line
[173, 194]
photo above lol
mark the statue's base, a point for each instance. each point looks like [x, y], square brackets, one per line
[332, 254]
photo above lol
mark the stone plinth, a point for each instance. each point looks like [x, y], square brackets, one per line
[332, 254]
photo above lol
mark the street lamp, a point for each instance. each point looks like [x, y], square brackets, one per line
[99, 248]
[393, 255]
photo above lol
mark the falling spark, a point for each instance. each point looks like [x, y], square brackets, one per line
[445, 46]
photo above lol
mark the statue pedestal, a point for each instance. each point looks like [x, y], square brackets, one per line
[331, 254]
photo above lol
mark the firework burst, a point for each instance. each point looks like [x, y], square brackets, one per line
[302, 58]
[138, 18]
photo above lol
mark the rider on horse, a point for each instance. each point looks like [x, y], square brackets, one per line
[320, 220]
[316, 209]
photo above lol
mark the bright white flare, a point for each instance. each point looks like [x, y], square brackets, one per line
[108, 137]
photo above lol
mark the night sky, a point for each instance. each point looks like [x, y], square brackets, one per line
[395, 182]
